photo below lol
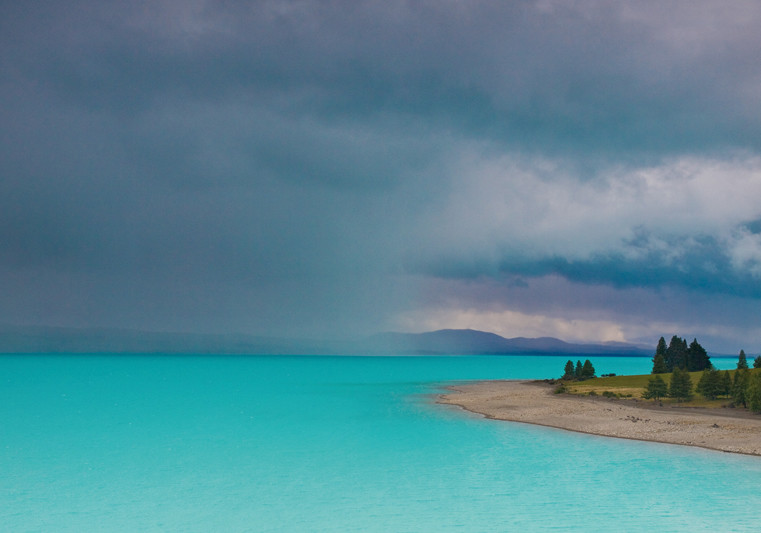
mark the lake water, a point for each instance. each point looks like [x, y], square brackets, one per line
[170, 443]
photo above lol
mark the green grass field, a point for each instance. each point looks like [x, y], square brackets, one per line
[634, 387]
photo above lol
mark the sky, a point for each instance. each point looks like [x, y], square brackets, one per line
[588, 170]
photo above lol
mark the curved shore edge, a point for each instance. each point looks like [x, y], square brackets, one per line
[535, 403]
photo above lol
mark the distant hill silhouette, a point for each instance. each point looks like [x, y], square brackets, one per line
[34, 339]
[469, 341]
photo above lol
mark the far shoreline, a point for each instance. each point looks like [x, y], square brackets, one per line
[533, 402]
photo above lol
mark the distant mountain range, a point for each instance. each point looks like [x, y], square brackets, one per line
[469, 341]
[33, 339]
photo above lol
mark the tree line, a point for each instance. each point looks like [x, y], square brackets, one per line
[677, 354]
[743, 387]
[579, 371]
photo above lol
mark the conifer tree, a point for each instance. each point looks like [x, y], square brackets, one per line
[569, 370]
[587, 370]
[757, 362]
[676, 354]
[726, 384]
[681, 385]
[659, 365]
[656, 388]
[659, 359]
[697, 357]
[742, 362]
[577, 372]
[702, 383]
[753, 394]
[661, 348]
[740, 387]
[710, 384]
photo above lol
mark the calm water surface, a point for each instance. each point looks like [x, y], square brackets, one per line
[167, 443]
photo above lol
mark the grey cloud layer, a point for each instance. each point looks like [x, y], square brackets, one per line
[574, 76]
[283, 164]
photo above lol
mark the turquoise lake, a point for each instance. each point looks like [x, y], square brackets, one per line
[218, 443]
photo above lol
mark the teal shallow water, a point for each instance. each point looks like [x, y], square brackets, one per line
[158, 443]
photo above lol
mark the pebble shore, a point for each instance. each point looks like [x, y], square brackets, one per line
[727, 430]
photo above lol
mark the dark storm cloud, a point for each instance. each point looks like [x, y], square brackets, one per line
[568, 75]
[702, 264]
[310, 166]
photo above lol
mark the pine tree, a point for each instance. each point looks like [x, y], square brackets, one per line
[726, 384]
[569, 370]
[740, 387]
[714, 386]
[757, 362]
[587, 370]
[697, 357]
[661, 347]
[710, 384]
[659, 365]
[659, 360]
[681, 385]
[656, 388]
[753, 394]
[676, 354]
[742, 362]
[578, 371]
[703, 383]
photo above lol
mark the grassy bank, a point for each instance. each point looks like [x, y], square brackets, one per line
[634, 387]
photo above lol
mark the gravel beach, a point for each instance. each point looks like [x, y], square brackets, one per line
[727, 430]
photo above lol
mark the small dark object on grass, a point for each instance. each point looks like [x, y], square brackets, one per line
[611, 375]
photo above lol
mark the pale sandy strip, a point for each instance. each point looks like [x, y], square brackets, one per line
[533, 403]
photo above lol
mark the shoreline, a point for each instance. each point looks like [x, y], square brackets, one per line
[535, 403]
